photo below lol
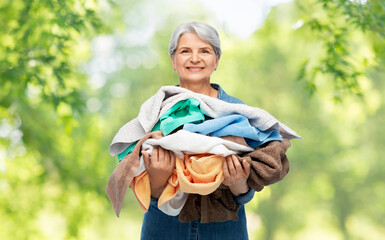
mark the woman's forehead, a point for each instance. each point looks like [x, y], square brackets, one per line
[192, 40]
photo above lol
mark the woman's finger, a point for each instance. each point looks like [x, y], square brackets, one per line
[230, 165]
[246, 167]
[160, 154]
[146, 159]
[166, 156]
[237, 164]
[154, 155]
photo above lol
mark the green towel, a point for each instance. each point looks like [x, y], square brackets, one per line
[185, 111]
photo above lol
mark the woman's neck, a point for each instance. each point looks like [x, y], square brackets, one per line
[202, 88]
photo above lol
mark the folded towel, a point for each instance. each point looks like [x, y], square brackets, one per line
[235, 125]
[171, 204]
[269, 164]
[184, 142]
[200, 174]
[124, 173]
[168, 96]
[185, 111]
[218, 206]
[142, 191]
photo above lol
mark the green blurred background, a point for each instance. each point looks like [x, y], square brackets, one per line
[73, 72]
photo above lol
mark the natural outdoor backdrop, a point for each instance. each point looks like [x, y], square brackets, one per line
[73, 72]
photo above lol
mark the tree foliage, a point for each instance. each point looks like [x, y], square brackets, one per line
[42, 44]
[41, 49]
[336, 22]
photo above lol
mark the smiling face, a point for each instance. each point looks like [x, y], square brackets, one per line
[194, 60]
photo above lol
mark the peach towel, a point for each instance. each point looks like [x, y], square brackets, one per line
[201, 174]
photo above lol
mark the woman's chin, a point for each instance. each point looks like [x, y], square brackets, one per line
[194, 80]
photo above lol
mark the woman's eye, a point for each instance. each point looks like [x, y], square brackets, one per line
[205, 51]
[184, 51]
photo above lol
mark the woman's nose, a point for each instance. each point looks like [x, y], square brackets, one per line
[195, 58]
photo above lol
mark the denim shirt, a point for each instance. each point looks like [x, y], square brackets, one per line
[158, 225]
[222, 95]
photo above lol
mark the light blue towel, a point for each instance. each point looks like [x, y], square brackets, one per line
[234, 125]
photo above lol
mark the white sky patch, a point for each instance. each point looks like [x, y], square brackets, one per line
[297, 25]
[5, 128]
[242, 17]
[359, 1]
[2, 162]
[16, 136]
[93, 104]
[96, 80]
[118, 89]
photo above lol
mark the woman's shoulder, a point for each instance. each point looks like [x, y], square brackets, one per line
[222, 95]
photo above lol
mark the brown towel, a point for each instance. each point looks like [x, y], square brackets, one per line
[269, 164]
[124, 172]
[218, 206]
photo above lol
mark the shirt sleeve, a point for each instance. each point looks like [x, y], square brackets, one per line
[245, 198]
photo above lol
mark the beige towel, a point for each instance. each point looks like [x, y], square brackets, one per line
[124, 173]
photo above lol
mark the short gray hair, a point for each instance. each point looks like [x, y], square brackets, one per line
[203, 30]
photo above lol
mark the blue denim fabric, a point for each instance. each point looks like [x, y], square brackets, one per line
[160, 226]
[222, 95]
[245, 198]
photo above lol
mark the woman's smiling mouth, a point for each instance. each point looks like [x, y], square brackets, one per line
[195, 69]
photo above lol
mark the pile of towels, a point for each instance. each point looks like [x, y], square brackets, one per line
[201, 131]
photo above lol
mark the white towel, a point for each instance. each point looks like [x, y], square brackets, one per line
[167, 96]
[185, 142]
[174, 205]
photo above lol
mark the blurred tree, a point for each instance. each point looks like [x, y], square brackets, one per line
[43, 167]
[54, 162]
[335, 23]
[40, 49]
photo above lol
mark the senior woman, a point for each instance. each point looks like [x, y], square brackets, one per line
[195, 53]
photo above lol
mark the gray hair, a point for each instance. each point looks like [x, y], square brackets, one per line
[203, 30]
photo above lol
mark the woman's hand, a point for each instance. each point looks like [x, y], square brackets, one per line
[159, 168]
[236, 175]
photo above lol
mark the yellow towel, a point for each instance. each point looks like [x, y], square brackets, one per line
[142, 190]
[170, 190]
[201, 174]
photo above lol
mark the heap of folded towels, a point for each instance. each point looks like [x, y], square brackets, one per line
[201, 131]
